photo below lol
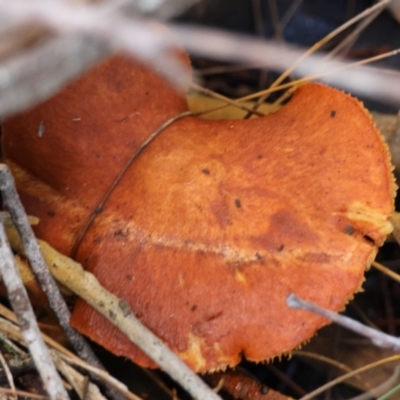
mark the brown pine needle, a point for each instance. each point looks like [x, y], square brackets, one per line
[345, 377]
[294, 84]
[324, 359]
[386, 271]
[329, 361]
[229, 101]
[322, 42]
[321, 74]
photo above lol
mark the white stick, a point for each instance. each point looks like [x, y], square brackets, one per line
[378, 338]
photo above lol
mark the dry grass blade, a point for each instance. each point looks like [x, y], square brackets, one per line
[344, 377]
[229, 47]
[382, 389]
[332, 68]
[291, 86]
[321, 43]
[346, 43]
[330, 361]
[85, 389]
[386, 271]
[218, 96]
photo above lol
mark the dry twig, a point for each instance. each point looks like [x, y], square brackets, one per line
[78, 381]
[12, 332]
[118, 312]
[378, 338]
[49, 286]
[21, 305]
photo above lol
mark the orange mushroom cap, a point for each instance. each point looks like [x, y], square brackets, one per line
[215, 222]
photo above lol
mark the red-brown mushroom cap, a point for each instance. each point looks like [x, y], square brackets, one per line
[215, 222]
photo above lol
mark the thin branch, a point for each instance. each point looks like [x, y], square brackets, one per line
[100, 373]
[49, 286]
[32, 251]
[23, 309]
[378, 338]
[78, 381]
[118, 312]
[12, 331]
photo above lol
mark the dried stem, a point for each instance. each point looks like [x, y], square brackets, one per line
[12, 331]
[12, 202]
[23, 309]
[386, 271]
[378, 338]
[118, 312]
[78, 381]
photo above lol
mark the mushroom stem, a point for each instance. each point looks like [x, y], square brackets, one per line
[378, 338]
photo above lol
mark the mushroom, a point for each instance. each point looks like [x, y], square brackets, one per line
[215, 222]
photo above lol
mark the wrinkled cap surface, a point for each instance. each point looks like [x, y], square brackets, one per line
[215, 222]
